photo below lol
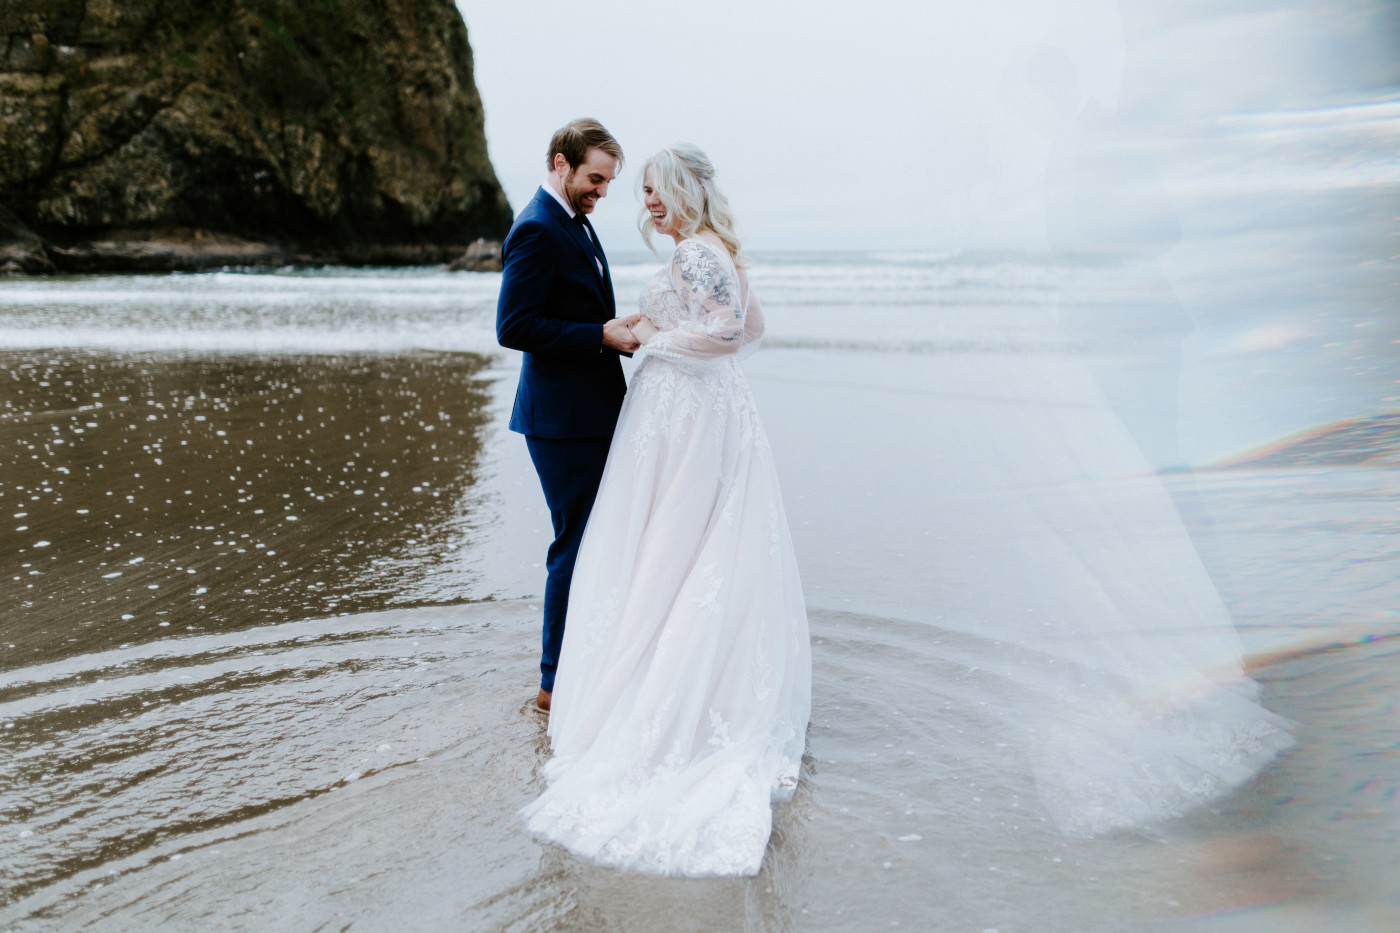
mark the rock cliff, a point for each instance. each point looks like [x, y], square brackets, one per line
[166, 134]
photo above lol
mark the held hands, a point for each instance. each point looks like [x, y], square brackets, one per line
[643, 330]
[618, 334]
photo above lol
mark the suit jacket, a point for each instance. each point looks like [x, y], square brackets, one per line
[552, 306]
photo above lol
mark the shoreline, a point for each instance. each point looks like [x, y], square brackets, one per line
[183, 249]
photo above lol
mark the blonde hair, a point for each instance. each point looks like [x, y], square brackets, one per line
[684, 179]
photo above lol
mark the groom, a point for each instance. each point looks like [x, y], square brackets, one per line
[557, 306]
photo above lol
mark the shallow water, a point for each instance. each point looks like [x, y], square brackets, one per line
[367, 768]
[271, 666]
[296, 752]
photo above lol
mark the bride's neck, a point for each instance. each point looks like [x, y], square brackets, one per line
[706, 234]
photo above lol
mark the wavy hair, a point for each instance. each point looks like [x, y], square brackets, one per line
[684, 179]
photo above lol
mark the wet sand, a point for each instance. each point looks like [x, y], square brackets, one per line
[334, 728]
[150, 495]
[351, 791]
[343, 735]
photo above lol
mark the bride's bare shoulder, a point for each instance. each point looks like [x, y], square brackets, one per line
[712, 240]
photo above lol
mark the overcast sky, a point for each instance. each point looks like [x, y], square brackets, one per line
[870, 125]
[879, 124]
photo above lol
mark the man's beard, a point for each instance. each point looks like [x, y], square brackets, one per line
[573, 195]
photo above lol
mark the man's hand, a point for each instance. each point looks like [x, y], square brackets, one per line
[617, 336]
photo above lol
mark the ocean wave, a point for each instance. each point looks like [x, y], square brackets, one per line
[175, 336]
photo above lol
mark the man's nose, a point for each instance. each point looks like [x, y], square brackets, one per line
[603, 190]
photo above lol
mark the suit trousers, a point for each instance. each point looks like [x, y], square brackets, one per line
[570, 470]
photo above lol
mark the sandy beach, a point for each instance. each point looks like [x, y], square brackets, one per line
[1081, 374]
[297, 694]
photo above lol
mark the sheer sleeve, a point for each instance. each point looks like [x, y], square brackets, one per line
[714, 326]
[753, 322]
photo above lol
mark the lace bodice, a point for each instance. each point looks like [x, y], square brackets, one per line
[697, 303]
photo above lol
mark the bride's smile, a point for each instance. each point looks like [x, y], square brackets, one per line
[652, 202]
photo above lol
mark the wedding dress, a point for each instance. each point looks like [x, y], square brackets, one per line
[680, 708]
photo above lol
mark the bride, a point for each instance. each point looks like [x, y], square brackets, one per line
[684, 688]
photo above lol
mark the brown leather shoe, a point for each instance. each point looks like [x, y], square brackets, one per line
[542, 701]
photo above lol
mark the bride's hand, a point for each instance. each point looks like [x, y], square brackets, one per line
[643, 330]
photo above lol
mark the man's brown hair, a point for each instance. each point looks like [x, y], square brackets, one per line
[577, 137]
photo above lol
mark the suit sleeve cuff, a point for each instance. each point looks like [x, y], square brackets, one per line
[595, 332]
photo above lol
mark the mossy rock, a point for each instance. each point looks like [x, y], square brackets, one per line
[343, 130]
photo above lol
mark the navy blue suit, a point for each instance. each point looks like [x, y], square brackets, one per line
[553, 303]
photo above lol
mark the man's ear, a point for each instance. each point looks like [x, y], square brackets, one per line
[561, 163]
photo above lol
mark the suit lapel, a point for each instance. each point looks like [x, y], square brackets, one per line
[581, 235]
[576, 231]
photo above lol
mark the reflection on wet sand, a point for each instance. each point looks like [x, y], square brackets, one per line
[155, 494]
